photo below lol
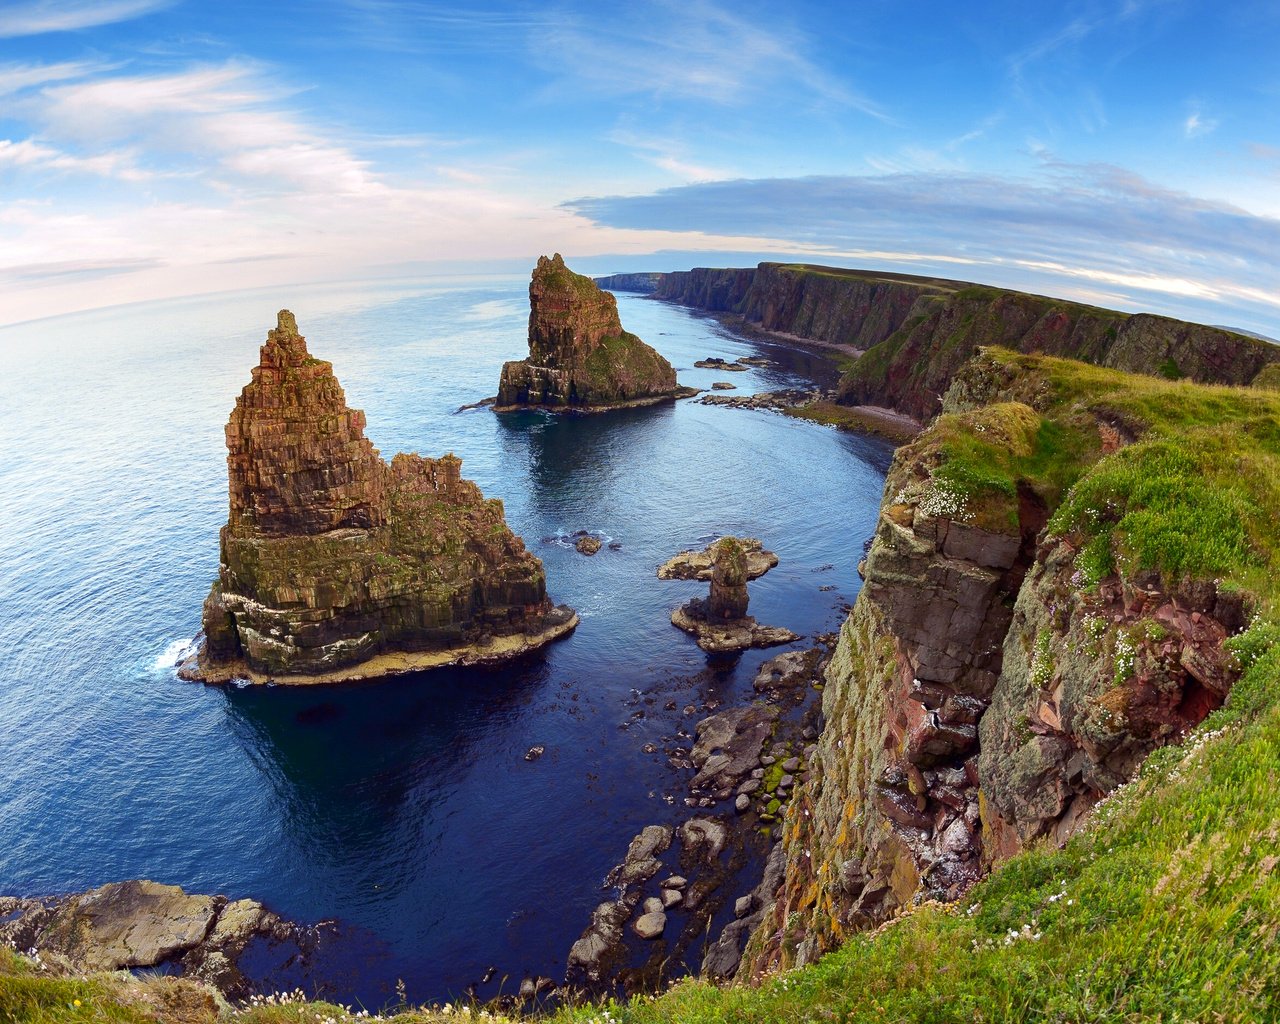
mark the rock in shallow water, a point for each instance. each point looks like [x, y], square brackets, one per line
[650, 926]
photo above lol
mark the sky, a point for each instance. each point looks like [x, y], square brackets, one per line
[1120, 152]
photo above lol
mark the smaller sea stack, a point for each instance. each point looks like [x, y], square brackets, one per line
[719, 621]
[336, 565]
[579, 355]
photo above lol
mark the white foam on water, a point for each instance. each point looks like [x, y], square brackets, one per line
[175, 652]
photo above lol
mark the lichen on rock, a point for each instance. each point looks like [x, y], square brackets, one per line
[579, 355]
[335, 564]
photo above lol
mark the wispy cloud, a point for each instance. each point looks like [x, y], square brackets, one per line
[665, 153]
[694, 49]
[36, 17]
[1196, 124]
[15, 78]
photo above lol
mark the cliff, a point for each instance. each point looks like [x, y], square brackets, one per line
[335, 564]
[645, 282]
[1060, 561]
[579, 355]
[915, 332]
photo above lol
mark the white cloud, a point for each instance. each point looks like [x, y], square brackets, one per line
[1070, 225]
[36, 17]
[15, 78]
[1195, 125]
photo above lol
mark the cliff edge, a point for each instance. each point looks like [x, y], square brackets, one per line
[335, 565]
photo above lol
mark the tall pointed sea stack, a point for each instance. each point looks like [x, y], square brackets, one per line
[579, 355]
[335, 565]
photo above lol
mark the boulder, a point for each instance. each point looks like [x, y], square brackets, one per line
[641, 862]
[787, 671]
[650, 926]
[703, 840]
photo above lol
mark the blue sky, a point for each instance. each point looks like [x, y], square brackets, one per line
[1124, 152]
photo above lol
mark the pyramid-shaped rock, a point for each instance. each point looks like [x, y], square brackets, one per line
[579, 355]
[335, 564]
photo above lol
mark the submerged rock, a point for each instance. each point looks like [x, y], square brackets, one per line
[601, 944]
[641, 862]
[336, 565]
[579, 355]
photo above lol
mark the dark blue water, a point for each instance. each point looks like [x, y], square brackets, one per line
[403, 808]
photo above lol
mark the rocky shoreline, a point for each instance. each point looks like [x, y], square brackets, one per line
[140, 924]
[556, 624]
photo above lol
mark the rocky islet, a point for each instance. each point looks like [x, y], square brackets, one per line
[337, 565]
[580, 357]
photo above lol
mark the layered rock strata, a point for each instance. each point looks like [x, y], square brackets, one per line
[980, 697]
[579, 355]
[699, 565]
[336, 565]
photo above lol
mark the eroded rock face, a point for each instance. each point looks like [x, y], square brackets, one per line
[1091, 684]
[729, 599]
[579, 355]
[892, 810]
[330, 556]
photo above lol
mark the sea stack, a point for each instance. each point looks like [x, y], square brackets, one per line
[336, 565]
[720, 621]
[579, 355]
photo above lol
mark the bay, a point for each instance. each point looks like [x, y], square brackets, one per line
[403, 809]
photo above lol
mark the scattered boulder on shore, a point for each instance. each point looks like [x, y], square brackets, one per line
[601, 944]
[579, 355]
[641, 862]
[774, 401]
[336, 565]
[788, 671]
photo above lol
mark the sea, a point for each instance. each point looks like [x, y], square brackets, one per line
[401, 813]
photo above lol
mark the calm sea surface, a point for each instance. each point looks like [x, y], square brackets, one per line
[404, 809]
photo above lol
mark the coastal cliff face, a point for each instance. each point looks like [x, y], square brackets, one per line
[579, 355]
[916, 333]
[1037, 618]
[330, 556]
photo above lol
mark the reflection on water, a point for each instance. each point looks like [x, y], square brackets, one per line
[406, 809]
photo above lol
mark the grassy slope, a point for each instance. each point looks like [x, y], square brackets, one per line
[1168, 906]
